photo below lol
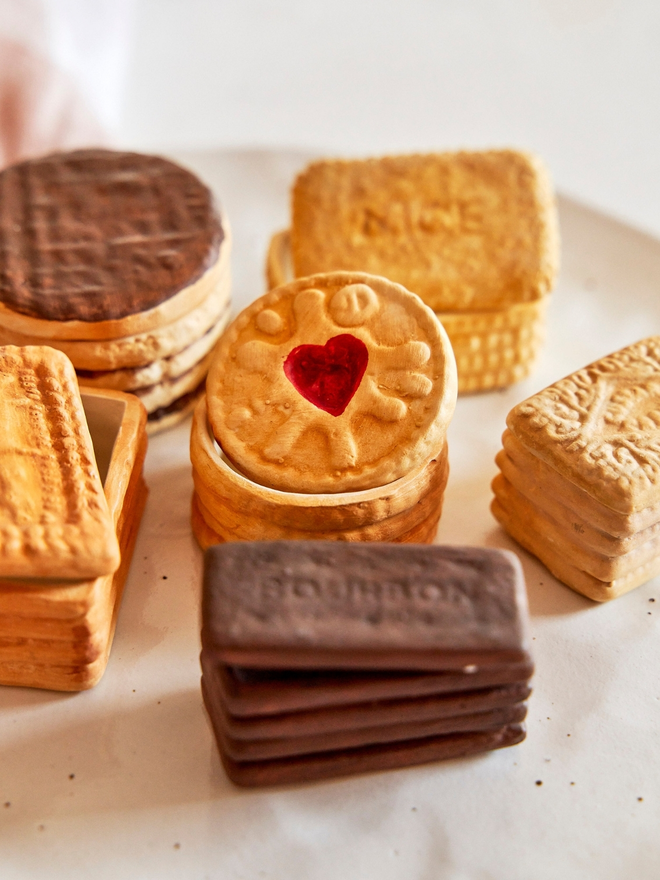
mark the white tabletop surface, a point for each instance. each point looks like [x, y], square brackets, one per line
[125, 781]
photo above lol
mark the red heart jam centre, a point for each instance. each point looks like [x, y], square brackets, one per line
[328, 375]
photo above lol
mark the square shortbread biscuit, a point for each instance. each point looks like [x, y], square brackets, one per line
[465, 231]
[54, 517]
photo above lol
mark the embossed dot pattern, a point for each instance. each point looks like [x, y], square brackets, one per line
[332, 384]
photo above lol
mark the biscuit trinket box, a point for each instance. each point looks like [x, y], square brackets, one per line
[70, 507]
[325, 417]
[121, 261]
[474, 234]
[323, 659]
[580, 474]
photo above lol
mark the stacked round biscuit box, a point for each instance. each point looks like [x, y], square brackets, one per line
[324, 418]
[70, 507]
[121, 261]
[326, 414]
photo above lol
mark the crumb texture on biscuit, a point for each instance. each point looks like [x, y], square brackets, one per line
[396, 417]
[464, 231]
[54, 517]
[600, 427]
[97, 235]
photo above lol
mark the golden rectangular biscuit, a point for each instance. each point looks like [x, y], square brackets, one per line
[58, 635]
[599, 428]
[54, 518]
[120, 445]
[493, 348]
[72, 673]
[466, 231]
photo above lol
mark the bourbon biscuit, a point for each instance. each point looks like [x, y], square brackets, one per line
[315, 604]
[357, 716]
[367, 759]
[333, 383]
[250, 692]
[264, 748]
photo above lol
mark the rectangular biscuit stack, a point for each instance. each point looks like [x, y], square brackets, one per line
[474, 234]
[71, 502]
[322, 659]
[580, 474]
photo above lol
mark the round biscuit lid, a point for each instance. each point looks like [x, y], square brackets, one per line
[333, 383]
[97, 235]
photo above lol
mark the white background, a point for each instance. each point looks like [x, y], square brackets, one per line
[125, 781]
[577, 81]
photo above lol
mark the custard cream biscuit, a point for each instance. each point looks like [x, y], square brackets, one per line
[543, 480]
[562, 566]
[599, 428]
[552, 501]
[598, 564]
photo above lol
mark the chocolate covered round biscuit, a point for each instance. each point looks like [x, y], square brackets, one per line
[333, 383]
[100, 235]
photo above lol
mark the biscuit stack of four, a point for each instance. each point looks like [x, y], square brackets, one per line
[326, 414]
[121, 261]
[71, 502]
[580, 474]
[324, 659]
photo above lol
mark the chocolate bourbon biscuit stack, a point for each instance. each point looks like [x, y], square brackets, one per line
[70, 507]
[580, 474]
[474, 234]
[325, 417]
[121, 261]
[322, 659]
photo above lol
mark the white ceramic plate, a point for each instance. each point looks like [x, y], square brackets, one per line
[125, 780]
